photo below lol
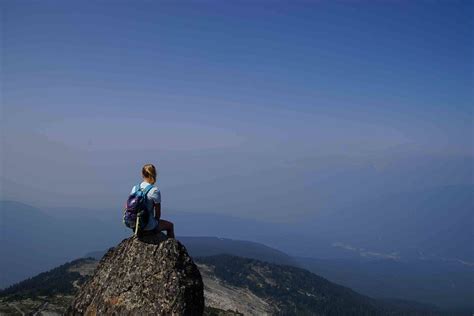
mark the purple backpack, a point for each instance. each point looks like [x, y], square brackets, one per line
[136, 214]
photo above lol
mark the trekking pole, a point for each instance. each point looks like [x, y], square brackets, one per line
[136, 226]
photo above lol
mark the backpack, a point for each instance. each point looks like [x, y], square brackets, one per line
[136, 214]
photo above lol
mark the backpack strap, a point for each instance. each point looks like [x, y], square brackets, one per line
[147, 189]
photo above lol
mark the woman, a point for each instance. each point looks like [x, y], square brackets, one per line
[154, 202]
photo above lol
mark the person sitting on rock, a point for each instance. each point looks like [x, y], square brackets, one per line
[155, 223]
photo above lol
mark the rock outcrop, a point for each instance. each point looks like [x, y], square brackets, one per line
[151, 275]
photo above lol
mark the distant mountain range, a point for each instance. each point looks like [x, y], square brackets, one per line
[33, 241]
[359, 248]
[434, 224]
[233, 286]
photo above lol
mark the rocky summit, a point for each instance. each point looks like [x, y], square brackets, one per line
[150, 275]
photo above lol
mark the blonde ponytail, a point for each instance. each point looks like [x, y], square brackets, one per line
[149, 171]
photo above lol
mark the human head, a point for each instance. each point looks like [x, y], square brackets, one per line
[149, 173]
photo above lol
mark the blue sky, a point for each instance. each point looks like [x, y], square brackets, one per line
[239, 98]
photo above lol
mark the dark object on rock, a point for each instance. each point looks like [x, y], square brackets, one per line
[150, 275]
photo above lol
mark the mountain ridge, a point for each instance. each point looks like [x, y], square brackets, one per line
[266, 282]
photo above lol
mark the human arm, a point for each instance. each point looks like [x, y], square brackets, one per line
[156, 197]
[158, 211]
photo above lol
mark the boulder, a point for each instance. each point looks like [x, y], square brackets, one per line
[150, 275]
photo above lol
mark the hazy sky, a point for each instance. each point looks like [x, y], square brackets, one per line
[251, 107]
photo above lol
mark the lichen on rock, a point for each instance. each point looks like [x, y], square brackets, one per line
[150, 275]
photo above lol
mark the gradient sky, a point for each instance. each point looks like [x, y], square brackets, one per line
[249, 107]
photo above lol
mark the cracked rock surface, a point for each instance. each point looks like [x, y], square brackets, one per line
[151, 275]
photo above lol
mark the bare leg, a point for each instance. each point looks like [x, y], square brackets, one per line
[168, 226]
